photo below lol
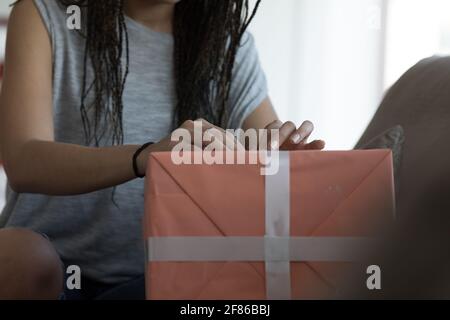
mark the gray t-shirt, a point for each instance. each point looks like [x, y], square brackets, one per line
[89, 230]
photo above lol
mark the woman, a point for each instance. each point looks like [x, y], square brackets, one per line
[76, 107]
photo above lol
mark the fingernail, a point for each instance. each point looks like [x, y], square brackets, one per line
[296, 138]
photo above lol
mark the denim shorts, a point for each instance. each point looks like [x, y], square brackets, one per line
[94, 290]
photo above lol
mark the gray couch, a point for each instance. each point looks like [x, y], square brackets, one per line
[416, 256]
[420, 102]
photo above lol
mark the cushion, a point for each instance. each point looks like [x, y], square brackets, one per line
[393, 139]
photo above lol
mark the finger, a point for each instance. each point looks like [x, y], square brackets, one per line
[188, 127]
[228, 139]
[286, 131]
[196, 143]
[216, 136]
[204, 123]
[303, 133]
[274, 125]
[197, 128]
[315, 145]
[273, 142]
[210, 136]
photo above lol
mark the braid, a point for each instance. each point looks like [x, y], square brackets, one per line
[205, 54]
[106, 35]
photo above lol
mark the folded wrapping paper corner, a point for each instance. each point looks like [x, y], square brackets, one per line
[171, 239]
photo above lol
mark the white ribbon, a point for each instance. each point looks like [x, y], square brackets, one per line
[278, 213]
[254, 249]
[277, 249]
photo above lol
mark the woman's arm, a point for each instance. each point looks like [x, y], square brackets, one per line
[34, 163]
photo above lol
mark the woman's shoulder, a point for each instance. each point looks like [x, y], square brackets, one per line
[53, 14]
[30, 15]
[247, 53]
[247, 49]
[247, 42]
[57, 20]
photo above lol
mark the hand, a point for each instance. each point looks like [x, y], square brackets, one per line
[291, 138]
[223, 141]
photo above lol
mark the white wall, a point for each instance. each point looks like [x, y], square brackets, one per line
[417, 29]
[324, 62]
[5, 6]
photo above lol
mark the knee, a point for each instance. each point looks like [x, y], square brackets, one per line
[31, 268]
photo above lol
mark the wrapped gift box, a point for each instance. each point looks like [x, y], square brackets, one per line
[228, 232]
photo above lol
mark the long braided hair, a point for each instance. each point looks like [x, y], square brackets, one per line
[207, 35]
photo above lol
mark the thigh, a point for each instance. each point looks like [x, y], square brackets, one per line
[30, 266]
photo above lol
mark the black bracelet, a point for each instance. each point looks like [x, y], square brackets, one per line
[135, 156]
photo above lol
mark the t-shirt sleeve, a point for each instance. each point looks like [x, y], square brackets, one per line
[54, 17]
[249, 84]
[45, 10]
